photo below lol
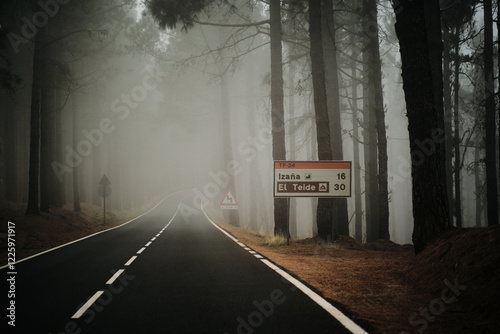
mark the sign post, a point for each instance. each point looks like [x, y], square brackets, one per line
[324, 178]
[104, 191]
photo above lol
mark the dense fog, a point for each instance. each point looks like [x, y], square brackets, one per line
[158, 110]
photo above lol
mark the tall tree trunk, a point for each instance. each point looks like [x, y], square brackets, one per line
[429, 197]
[45, 142]
[10, 151]
[325, 205]
[76, 184]
[230, 215]
[34, 164]
[448, 157]
[370, 157]
[478, 180]
[375, 78]
[58, 187]
[490, 119]
[358, 215]
[498, 65]
[456, 123]
[277, 110]
[339, 214]
[435, 44]
[292, 133]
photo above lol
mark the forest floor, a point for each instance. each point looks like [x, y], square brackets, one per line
[451, 287]
[34, 233]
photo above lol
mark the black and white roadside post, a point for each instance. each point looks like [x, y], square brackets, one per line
[104, 191]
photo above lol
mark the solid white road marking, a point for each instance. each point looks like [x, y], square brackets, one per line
[115, 276]
[344, 320]
[341, 317]
[85, 306]
[131, 260]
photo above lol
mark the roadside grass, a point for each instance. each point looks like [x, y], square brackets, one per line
[274, 241]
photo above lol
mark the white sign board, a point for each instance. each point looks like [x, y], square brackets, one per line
[229, 202]
[312, 179]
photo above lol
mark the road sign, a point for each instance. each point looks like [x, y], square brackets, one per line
[312, 179]
[104, 191]
[104, 181]
[229, 202]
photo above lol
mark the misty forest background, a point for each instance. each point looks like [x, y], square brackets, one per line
[166, 95]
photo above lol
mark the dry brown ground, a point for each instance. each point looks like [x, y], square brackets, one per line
[387, 289]
[382, 285]
[37, 233]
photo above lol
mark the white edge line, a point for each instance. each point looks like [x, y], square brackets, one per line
[341, 317]
[91, 235]
[141, 250]
[115, 276]
[129, 262]
[85, 306]
[222, 230]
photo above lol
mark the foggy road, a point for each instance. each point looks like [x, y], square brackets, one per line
[162, 274]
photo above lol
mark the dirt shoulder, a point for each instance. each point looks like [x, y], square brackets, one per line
[38, 233]
[452, 287]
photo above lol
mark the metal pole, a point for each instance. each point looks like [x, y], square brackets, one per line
[288, 224]
[104, 199]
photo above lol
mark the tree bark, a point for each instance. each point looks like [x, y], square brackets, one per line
[277, 111]
[456, 135]
[34, 164]
[339, 214]
[325, 205]
[375, 78]
[426, 139]
[448, 157]
[490, 121]
[370, 157]
[76, 184]
[358, 216]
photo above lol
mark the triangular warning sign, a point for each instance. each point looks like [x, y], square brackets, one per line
[104, 181]
[229, 199]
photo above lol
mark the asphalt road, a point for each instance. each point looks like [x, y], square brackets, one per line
[161, 274]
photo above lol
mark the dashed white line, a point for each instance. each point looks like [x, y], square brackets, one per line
[141, 250]
[130, 261]
[115, 276]
[85, 306]
[147, 245]
[153, 239]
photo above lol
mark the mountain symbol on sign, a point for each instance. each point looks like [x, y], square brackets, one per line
[322, 187]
